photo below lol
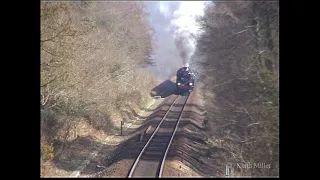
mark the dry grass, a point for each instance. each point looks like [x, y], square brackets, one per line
[93, 56]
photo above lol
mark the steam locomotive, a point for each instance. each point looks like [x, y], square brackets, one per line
[185, 80]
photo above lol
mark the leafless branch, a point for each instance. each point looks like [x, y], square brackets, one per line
[229, 81]
[241, 31]
[253, 124]
[54, 37]
[50, 52]
[44, 100]
[49, 82]
[247, 112]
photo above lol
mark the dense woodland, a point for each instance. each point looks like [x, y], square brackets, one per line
[238, 54]
[94, 59]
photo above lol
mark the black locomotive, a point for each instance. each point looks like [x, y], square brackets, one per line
[185, 80]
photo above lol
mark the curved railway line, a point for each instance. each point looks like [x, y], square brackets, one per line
[150, 160]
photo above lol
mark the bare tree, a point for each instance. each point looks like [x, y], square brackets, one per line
[239, 50]
[92, 59]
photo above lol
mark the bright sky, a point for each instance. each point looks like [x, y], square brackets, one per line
[184, 17]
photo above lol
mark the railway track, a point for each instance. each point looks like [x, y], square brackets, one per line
[150, 160]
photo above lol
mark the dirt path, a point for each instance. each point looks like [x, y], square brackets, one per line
[88, 157]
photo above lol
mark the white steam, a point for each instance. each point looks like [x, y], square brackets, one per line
[183, 26]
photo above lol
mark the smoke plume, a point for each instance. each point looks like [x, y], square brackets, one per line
[175, 26]
[184, 28]
[185, 45]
